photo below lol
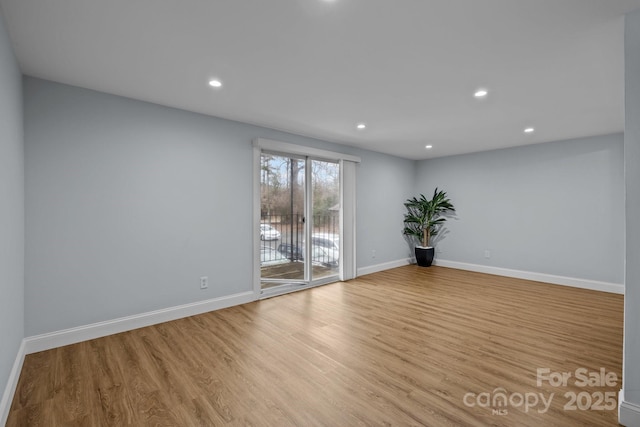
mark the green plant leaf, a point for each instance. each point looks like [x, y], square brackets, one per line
[424, 214]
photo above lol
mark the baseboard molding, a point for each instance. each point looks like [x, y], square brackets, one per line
[12, 383]
[538, 277]
[384, 266]
[628, 413]
[56, 339]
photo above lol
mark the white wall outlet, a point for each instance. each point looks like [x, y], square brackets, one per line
[487, 254]
[204, 282]
[373, 253]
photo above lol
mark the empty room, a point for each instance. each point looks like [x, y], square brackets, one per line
[320, 213]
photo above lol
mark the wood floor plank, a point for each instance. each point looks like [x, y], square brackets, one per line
[400, 347]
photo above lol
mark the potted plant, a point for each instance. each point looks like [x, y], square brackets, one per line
[423, 220]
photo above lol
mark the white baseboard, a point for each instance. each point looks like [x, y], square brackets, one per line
[384, 266]
[51, 340]
[538, 277]
[12, 383]
[628, 413]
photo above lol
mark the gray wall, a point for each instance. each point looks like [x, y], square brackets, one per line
[631, 380]
[129, 203]
[11, 209]
[554, 208]
[384, 183]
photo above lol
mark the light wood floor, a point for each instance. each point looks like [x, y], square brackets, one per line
[401, 347]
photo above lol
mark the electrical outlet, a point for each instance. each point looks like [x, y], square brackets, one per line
[373, 253]
[204, 282]
[487, 254]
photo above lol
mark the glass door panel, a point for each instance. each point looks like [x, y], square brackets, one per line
[325, 235]
[282, 219]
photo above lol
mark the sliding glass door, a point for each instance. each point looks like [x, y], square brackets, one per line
[299, 222]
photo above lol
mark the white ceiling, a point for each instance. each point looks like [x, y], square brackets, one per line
[407, 68]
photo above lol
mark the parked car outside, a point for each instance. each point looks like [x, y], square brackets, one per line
[267, 232]
[326, 240]
[292, 252]
[270, 256]
[325, 257]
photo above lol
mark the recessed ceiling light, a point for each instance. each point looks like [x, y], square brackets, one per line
[529, 130]
[428, 147]
[215, 83]
[361, 126]
[481, 93]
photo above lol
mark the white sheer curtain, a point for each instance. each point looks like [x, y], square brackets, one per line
[348, 220]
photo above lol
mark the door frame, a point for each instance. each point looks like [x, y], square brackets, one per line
[284, 148]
